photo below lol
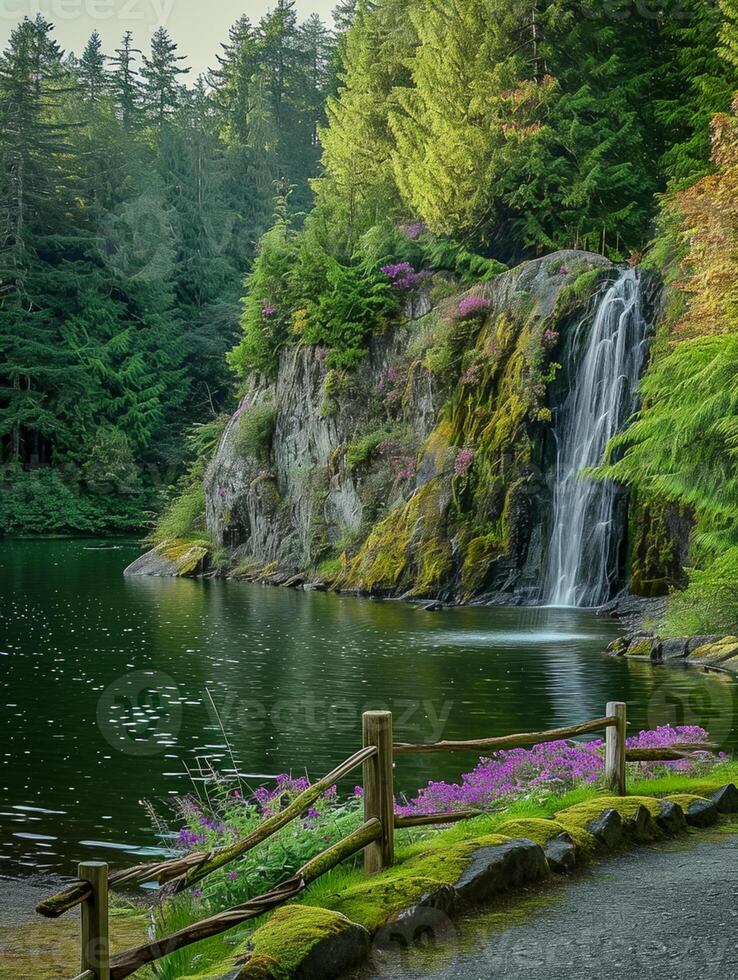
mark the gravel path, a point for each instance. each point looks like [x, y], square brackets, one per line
[667, 911]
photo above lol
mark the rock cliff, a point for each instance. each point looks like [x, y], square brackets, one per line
[425, 471]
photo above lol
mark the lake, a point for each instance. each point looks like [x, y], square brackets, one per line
[116, 691]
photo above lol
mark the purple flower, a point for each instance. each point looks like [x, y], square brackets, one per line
[463, 461]
[472, 306]
[403, 275]
[415, 229]
[268, 310]
[550, 339]
[472, 375]
[233, 875]
[551, 766]
[358, 790]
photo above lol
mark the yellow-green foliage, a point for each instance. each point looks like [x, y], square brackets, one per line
[409, 547]
[187, 556]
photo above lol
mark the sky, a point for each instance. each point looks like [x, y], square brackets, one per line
[198, 26]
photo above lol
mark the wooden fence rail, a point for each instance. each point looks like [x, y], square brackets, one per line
[375, 837]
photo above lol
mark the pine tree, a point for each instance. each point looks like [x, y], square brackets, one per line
[161, 73]
[125, 82]
[466, 130]
[91, 70]
[357, 142]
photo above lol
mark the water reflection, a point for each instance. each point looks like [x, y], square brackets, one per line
[113, 689]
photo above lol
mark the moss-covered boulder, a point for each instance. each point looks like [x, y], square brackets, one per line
[700, 812]
[717, 653]
[172, 559]
[609, 819]
[305, 943]
[500, 867]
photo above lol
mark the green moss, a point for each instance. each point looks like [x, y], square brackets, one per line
[361, 450]
[420, 869]
[640, 649]
[685, 800]
[255, 431]
[188, 557]
[291, 933]
[654, 558]
[408, 549]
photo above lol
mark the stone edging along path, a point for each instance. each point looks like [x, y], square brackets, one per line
[415, 898]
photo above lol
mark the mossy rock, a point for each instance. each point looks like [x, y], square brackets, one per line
[640, 648]
[638, 815]
[700, 812]
[173, 557]
[717, 653]
[536, 829]
[305, 942]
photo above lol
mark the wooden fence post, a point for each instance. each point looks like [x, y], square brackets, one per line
[95, 935]
[379, 789]
[615, 748]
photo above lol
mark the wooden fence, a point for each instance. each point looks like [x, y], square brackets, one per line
[375, 837]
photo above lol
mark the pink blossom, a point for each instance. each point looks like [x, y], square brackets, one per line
[463, 461]
[472, 306]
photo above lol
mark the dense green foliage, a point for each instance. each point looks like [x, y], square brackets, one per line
[130, 209]
[682, 447]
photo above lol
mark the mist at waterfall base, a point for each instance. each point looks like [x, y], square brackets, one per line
[603, 359]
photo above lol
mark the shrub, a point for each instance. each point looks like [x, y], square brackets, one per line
[710, 602]
[360, 451]
[41, 502]
[255, 431]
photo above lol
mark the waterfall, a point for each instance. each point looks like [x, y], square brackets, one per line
[603, 360]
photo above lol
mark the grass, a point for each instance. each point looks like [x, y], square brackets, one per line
[425, 858]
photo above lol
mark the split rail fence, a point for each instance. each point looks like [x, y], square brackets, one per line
[375, 837]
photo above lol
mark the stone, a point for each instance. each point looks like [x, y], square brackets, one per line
[607, 828]
[715, 653]
[306, 943]
[170, 559]
[499, 867]
[618, 647]
[694, 642]
[702, 813]
[726, 799]
[640, 824]
[425, 923]
[674, 649]
[561, 854]
[671, 820]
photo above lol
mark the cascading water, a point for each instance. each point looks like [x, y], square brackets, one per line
[603, 359]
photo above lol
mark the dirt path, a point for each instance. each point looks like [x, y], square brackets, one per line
[670, 910]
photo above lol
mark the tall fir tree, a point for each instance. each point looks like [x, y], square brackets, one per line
[161, 73]
[125, 83]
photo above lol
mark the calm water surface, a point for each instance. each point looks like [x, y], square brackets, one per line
[114, 691]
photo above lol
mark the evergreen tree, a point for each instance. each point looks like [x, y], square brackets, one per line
[125, 82]
[91, 70]
[161, 73]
